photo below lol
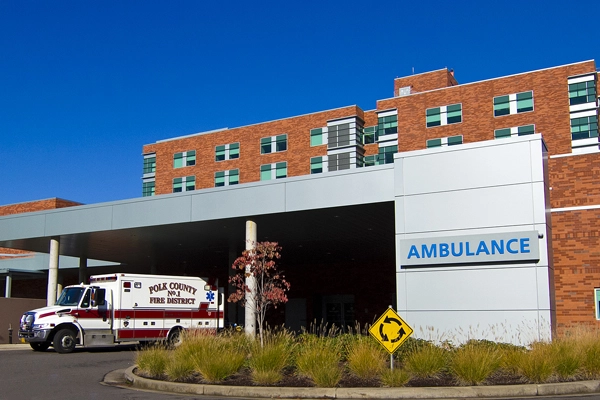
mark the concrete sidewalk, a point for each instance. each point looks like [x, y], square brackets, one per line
[548, 389]
[17, 346]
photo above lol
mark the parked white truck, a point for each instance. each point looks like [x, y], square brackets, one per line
[121, 308]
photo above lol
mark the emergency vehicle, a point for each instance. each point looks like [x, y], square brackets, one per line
[121, 308]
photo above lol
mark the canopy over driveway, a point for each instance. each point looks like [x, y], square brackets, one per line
[346, 215]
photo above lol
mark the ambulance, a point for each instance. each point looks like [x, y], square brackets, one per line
[124, 308]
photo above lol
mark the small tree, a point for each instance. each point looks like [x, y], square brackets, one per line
[271, 286]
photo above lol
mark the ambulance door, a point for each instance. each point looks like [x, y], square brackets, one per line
[95, 309]
[125, 314]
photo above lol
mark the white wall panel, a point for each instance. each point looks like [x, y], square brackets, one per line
[168, 209]
[465, 209]
[22, 226]
[458, 167]
[238, 201]
[518, 326]
[474, 289]
[76, 220]
[369, 185]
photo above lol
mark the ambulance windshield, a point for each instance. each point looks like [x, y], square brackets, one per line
[70, 296]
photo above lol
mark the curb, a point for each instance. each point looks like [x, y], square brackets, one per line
[546, 389]
[14, 346]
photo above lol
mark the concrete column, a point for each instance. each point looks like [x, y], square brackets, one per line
[82, 269]
[250, 311]
[52, 271]
[8, 287]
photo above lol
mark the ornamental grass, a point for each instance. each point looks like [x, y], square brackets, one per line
[153, 360]
[267, 362]
[427, 361]
[473, 362]
[365, 358]
[217, 357]
[319, 359]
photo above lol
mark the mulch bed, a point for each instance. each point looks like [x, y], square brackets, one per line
[291, 379]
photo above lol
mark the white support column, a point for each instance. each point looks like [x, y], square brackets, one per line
[83, 270]
[8, 287]
[250, 310]
[52, 271]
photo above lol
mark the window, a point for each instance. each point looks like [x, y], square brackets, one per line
[148, 188]
[582, 92]
[370, 135]
[338, 135]
[227, 152]
[273, 144]
[386, 154]
[513, 104]
[514, 131]
[597, 302]
[316, 165]
[339, 161]
[444, 115]
[584, 127]
[227, 178]
[387, 125]
[446, 141]
[185, 159]
[184, 184]
[277, 170]
[316, 137]
[149, 164]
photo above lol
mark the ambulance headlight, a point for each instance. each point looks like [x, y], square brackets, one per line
[43, 326]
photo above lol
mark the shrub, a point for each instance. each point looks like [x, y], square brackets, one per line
[152, 360]
[474, 362]
[267, 362]
[395, 377]
[365, 358]
[319, 360]
[217, 357]
[428, 361]
[536, 365]
[182, 365]
[567, 358]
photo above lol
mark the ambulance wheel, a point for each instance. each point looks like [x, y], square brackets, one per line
[174, 338]
[64, 341]
[40, 346]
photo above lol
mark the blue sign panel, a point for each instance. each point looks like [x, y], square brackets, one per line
[498, 247]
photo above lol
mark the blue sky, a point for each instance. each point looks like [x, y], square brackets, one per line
[85, 84]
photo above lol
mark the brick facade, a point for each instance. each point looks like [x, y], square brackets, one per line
[573, 179]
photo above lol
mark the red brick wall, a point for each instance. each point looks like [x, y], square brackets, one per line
[575, 236]
[37, 205]
[550, 115]
[297, 155]
[576, 247]
[427, 81]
